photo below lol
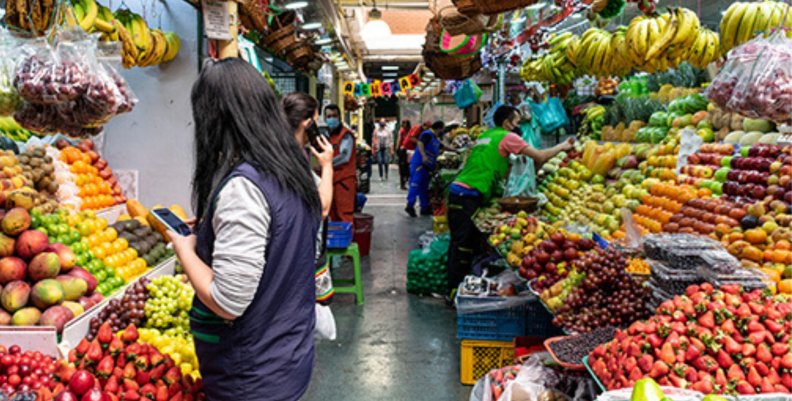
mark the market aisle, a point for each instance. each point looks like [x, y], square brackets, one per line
[396, 346]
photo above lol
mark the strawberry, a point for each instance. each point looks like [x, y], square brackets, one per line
[679, 316]
[744, 388]
[64, 371]
[766, 386]
[702, 386]
[724, 359]
[82, 347]
[654, 340]
[779, 349]
[112, 385]
[130, 395]
[754, 378]
[786, 362]
[730, 345]
[142, 377]
[172, 375]
[129, 371]
[731, 288]
[728, 327]
[707, 288]
[112, 396]
[131, 385]
[635, 374]
[105, 367]
[772, 314]
[773, 377]
[73, 356]
[176, 397]
[757, 337]
[645, 363]
[659, 369]
[773, 326]
[121, 359]
[148, 391]
[763, 353]
[692, 290]
[629, 364]
[133, 350]
[748, 349]
[94, 354]
[705, 363]
[735, 373]
[677, 381]
[666, 354]
[756, 309]
[105, 334]
[162, 394]
[743, 311]
[754, 326]
[157, 358]
[786, 380]
[720, 378]
[762, 368]
[175, 388]
[115, 347]
[707, 320]
[130, 334]
[780, 388]
[190, 397]
[142, 362]
[157, 372]
[118, 373]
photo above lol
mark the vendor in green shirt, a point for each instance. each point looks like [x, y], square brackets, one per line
[486, 166]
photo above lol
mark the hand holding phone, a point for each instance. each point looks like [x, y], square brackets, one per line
[172, 221]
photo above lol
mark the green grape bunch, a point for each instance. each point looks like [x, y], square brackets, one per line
[170, 299]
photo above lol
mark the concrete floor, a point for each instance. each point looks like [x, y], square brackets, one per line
[396, 346]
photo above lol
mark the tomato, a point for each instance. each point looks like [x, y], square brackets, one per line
[14, 380]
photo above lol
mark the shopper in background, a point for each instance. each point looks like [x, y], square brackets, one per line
[486, 166]
[345, 175]
[401, 153]
[421, 167]
[383, 148]
[251, 262]
[301, 111]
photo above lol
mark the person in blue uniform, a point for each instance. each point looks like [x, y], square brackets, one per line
[422, 165]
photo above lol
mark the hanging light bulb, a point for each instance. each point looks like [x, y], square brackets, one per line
[375, 29]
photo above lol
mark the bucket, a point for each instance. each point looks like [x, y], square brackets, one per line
[364, 225]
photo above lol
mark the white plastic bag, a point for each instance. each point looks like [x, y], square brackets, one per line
[325, 328]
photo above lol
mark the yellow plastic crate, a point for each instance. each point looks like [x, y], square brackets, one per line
[477, 358]
[440, 224]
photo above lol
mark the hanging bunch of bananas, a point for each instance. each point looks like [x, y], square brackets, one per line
[657, 43]
[34, 16]
[602, 53]
[140, 45]
[705, 50]
[557, 65]
[742, 21]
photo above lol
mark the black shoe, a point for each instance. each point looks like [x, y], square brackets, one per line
[410, 211]
[426, 212]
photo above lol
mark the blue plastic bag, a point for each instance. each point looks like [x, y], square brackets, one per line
[550, 114]
[489, 117]
[467, 94]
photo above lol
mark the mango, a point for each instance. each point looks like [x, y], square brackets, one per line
[29, 316]
[44, 265]
[5, 318]
[6, 245]
[12, 269]
[56, 316]
[30, 243]
[66, 256]
[73, 287]
[15, 221]
[46, 293]
[75, 307]
[15, 296]
[21, 198]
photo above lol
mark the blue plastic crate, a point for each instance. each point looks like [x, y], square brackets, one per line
[528, 319]
[339, 235]
[539, 321]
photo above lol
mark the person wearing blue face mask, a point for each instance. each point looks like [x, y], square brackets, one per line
[344, 166]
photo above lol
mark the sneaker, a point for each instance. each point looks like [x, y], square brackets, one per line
[410, 211]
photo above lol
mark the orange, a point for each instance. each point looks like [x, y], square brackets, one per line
[785, 286]
[704, 193]
[780, 256]
[756, 236]
[783, 244]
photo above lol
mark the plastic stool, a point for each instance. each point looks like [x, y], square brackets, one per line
[348, 286]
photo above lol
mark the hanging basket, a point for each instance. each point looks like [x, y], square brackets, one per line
[467, 7]
[299, 54]
[456, 23]
[253, 14]
[469, 46]
[490, 7]
[282, 33]
[446, 66]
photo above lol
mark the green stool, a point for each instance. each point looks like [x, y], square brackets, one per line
[348, 286]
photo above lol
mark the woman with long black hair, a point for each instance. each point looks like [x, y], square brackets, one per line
[251, 262]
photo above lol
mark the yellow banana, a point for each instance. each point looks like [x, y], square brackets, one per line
[763, 15]
[665, 39]
[730, 23]
[174, 44]
[745, 31]
[91, 10]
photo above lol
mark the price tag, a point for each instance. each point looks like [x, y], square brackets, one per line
[217, 20]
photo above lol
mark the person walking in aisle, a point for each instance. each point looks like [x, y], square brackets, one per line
[401, 153]
[383, 148]
[251, 260]
[421, 167]
[344, 164]
[301, 111]
[486, 166]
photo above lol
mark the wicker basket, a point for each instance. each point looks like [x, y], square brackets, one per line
[468, 7]
[490, 7]
[517, 204]
[456, 23]
[299, 54]
[282, 33]
[253, 14]
[446, 66]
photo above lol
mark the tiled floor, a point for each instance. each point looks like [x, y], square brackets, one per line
[395, 347]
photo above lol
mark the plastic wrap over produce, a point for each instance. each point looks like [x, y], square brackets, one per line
[482, 294]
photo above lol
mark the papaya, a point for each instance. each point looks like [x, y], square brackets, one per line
[179, 211]
[135, 208]
[155, 224]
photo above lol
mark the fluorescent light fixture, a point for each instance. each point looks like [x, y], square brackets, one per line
[390, 74]
[429, 74]
[324, 41]
[296, 5]
[390, 68]
[312, 25]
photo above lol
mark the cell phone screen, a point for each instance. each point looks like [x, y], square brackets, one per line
[173, 222]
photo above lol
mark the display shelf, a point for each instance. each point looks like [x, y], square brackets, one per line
[41, 339]
[78, 328]
[112, 213]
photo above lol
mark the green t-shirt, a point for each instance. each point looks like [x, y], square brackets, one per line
[485, 166]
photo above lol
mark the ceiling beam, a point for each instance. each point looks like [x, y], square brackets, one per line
[386, 4]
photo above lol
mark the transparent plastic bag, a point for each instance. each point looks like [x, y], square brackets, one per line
[756, 81]
[9, 96]
[325, 328]
[46, 76]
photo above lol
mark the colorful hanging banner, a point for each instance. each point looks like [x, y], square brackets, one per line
[377, 88]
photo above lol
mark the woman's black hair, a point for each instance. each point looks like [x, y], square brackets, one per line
[238, 119]
[504, 113]
[438, 125]
[332, 107]
[298, 107]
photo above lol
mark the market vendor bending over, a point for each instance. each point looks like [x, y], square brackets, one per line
[486, 166]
